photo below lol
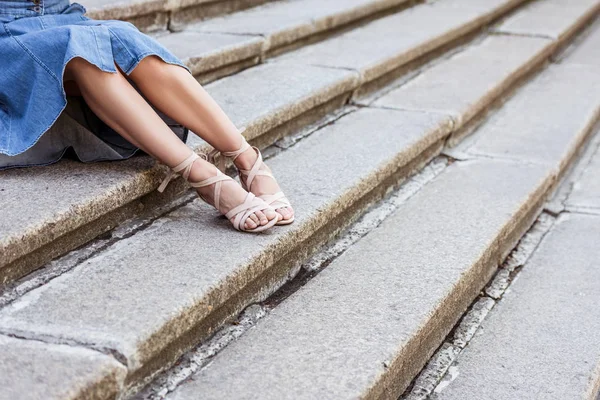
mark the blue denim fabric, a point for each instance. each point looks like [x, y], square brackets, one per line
[37, 39]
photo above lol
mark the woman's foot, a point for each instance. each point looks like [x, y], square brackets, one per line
[262, 184]
[232, 195]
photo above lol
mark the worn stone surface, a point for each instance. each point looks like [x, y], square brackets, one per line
[549, 18]
[35, 370]
[386, 44]
[585, 195]
[562, 104]
[365, 325]
[39, 204]
[205, 52]
[115, 9]
[282, 23]
[276, 93]
[465, 84]
[541, 341]
[197, 262]
[585, 50]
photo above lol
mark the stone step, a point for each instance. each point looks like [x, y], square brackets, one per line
[192, 291]
[36, 370]
[159, 15]
[366, 324]
[540, 340]
[220, 46]
[270, 100]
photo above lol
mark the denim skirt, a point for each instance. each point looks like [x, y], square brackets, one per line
[39, 123]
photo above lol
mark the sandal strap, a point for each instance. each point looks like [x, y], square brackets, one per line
[243, 211]
[185, 166]
[217, 181]
[277, 200]
[218, 157]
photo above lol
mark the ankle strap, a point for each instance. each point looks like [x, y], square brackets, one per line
[185, 166]
[220, 162]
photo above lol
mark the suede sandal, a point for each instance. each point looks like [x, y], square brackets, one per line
[276, 200]
[240, 213]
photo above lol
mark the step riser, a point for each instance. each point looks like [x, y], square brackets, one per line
[263, 133]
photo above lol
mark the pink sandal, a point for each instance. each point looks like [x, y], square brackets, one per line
[277, 200]
[241, 212]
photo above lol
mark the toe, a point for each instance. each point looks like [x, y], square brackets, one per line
[262, 218]
[270, 214]
[250, 224]
[286, 212]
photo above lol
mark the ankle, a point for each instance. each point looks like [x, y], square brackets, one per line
[247, 159]
[202, 170]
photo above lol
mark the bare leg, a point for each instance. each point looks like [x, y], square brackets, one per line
[120, 106]
[176, 93]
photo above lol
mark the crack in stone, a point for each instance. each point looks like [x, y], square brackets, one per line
[51, 340]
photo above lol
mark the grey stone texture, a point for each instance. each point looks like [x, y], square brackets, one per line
[207, 52]
[147, 291]
[550, 18]
[32, 370]
[585, 193]
[269, 95]
[367, 324]
[541, 340]
[585, 51]
[562, 105]
[384, 45]
[39, 205]
[465, 84]
[282, 23]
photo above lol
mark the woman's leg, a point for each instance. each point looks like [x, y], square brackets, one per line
[176, 93]
[120, 106]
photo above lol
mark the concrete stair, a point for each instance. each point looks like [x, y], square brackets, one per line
[139, 300]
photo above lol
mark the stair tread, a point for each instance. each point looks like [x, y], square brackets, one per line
[549, 18]
[517, 135]
[370, 320]
[585, 194]
[586, 52]
[491, 63]
[540, 341]
[36, 370]
[401, 37]
[237, 95]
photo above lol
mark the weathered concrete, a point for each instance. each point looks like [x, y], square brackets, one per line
[40, 204]
[276, 93]
[585, 51]
[585, 195]
[198, 264]
[541, 341]
[388, 43]
[282, 23]
[112, 9]
[464, 85]
[366, 324]
[563, 105]
[207, 52]
[550, 18]
[35, 370]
